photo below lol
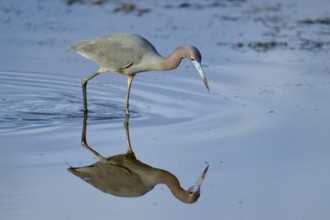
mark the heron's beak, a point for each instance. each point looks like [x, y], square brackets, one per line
[198, 67]
[196, 187]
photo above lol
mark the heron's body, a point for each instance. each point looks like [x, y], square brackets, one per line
[121, 175]
[129, 54]
[126, 54]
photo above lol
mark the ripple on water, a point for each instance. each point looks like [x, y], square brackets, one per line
[38, 100]
[34, 100]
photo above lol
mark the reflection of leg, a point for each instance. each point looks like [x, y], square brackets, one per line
[128, 139]
[129, 83]
[84, 84]
[84, 141]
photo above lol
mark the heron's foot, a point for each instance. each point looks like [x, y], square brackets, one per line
[127, 109]
[84, 81]
[126, 122]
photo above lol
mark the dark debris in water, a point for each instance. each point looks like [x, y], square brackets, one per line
[312, 45]
[124, 7]
[323, 21]
[96, 2]
[258, 46]
[205, 4]
[129, 7]
[265, 46]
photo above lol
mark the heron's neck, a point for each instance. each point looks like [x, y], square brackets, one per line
[173, 184]
[173, 60]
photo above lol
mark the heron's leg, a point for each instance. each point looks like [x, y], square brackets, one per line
[129, 83]
[84, 141]
[84, 84]
[128, 139]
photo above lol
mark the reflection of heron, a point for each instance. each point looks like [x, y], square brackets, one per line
[129, 54]
[125, 176]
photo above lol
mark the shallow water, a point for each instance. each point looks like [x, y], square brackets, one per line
[263, 129]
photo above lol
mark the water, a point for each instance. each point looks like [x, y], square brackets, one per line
[263, 129]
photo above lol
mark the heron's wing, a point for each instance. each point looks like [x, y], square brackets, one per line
[108, 52]
[124, 169]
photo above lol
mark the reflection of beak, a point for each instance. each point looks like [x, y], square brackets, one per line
[196, 187]
[198, 67]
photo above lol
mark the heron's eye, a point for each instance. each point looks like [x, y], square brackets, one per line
[192, 59]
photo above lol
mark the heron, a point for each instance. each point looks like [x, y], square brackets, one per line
[129, 54]
[124, 175]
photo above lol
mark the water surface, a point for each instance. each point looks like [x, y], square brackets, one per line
[263, 129]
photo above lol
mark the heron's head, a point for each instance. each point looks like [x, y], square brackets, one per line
[193, 193]
[192, 196]
[195, 57]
